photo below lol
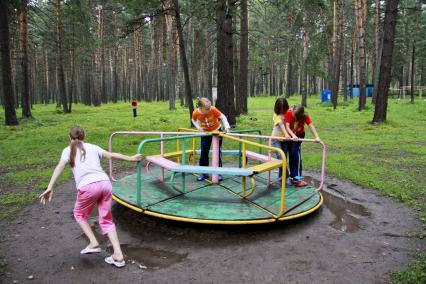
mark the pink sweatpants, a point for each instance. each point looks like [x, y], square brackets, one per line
[97, 193]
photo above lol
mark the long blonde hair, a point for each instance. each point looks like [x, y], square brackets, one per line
[77, 137]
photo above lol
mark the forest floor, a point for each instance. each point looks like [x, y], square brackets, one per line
[358, 236]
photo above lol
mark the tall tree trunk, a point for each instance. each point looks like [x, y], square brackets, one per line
[376, 62]
[115, 80]
[235, 59]
[344, 74]
[101, 30]
[304, 71]
[413, 54]
[208, 60]
[289, 81]
[60, 70]
[225, 74]
[390, 21]
[71, 89]
[241, 102]
[184, 62]
[360, 14]
[23, 32]
[338, 55]
[8, 99]
[171, 59]
[46, 76]
[351, 72]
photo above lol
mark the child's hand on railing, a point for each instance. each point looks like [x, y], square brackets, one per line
[136, 158]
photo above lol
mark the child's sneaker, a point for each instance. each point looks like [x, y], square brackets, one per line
[220, 177]
[111, 260]
[300, 183]
[289, 181]
[202, 177]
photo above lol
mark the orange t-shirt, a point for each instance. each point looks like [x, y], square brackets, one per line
[209, 122]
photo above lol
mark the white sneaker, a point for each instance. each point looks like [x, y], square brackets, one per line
[111, 260]
[88, 250]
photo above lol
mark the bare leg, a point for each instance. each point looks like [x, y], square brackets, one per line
[113, 238]
[89, 234]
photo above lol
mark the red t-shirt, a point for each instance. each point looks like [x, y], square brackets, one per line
[134, 103]
[209, 122]
[295, 126]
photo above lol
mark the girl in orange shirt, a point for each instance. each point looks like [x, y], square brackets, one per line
[206, 118]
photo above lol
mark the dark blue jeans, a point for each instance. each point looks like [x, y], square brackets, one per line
[206, 143]
[283, 146]
[295, 153]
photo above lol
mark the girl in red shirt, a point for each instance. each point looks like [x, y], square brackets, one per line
[295, 120]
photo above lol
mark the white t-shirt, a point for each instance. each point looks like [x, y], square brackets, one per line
[88, 170]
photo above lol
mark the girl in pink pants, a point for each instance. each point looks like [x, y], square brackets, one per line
[93, 188]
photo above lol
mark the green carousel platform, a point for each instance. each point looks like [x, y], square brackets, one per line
[167, 186]
[204, 202]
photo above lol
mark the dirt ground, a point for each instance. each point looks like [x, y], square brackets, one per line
[357, 236]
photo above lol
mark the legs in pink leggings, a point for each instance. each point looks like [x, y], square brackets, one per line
[100, 194]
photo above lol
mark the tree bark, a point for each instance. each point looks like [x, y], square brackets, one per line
[360, 19]
[171, 59]
[289, 81]
[23, 32]
[376, 62]
[241, 102]
[338, 56]
[224, 45]
[115, 80]
[184, 62]
[390, 21]
[8, 99]
[413, 54]
[71, 88]
[304, 71]
[208, 66]
[103, 89]
[60, 70]
[351, 72]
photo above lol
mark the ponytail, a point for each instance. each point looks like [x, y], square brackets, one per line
[76, 136]
[75, 143]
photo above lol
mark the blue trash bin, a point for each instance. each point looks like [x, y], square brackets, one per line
[355, 90]
[325, 95]
[369, 90]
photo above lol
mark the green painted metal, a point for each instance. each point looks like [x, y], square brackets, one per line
[203, 200]
[153, 140]
[210, 203]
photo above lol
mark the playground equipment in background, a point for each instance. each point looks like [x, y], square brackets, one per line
[167, 187]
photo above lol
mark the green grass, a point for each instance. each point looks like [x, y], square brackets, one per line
[389, 157]
[11, 203]
[415, 273]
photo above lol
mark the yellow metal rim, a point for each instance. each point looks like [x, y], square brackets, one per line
[305, 212]
[218, 222]
[122, 202]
